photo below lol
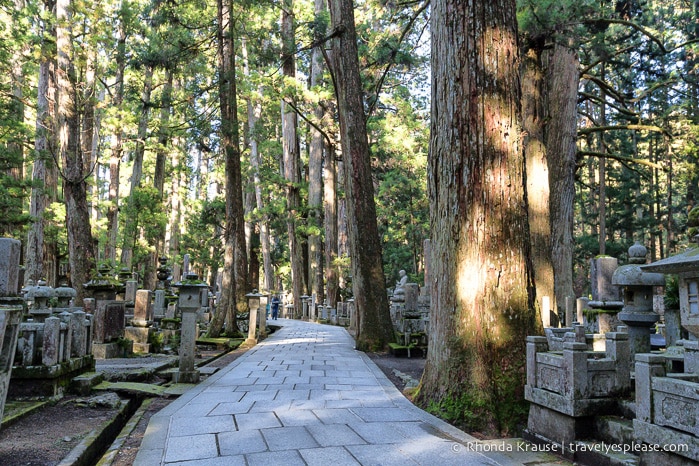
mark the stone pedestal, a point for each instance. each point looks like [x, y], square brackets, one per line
[188, 336]
[252, 327]
[10, 317]
[262, 330]
[139, 337]
[639, 326]
[159, 305]
[10, 250]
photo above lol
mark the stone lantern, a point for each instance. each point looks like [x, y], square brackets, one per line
[637, 288]
[64, 295]
[102, 287]
[189, 303]
[37, 298]
[163, 273]
[305, 301]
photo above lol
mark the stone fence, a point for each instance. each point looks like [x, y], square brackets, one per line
[667, 404]
[567, 382]
[54, 341]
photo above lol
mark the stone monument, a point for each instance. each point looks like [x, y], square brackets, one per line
[11, 311]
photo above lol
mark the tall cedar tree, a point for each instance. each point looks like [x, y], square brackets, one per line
[81, 246]
[234, 260]
[374, 329]
[482, 291]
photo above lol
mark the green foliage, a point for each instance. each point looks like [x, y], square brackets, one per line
[202, 238]
[145, 209]
[672, 292]
[156, 340]
[402, 207]
[465, 410]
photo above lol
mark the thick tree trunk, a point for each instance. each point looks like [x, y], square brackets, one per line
[482, 292]
[562, 84]
[537, 169]
[602, 173]
[292, 160]
[332, 283]
[34, 258]
[81, 247]
[235, 262]
[374, 329]
[315, 176]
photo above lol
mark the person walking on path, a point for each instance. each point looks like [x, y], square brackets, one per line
[275, 307]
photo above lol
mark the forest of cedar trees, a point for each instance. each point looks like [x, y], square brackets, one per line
[312, 147]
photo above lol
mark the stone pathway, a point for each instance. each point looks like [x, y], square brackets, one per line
[304, 396]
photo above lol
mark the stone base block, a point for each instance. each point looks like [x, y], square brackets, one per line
[141, 348]
[140, 337]
[82, 384]
[47, 381]
[683, 448]
[556, 427]
[185, 376]
[660, 458]
[112, 350]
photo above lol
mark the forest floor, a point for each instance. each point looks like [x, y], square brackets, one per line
[49, 434]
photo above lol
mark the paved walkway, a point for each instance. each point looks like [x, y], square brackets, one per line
[304, 396]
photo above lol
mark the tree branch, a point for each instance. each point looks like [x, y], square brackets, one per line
[620, 158]
[329, 140]
[651, 128]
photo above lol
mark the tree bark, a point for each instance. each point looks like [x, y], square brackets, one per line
[374, 326]
[81, 247]
[537, 169]
[332, 284]
[34, 258]
[235, 263]
[292, 159]
[315, 175]
[116, 148]
[482, 293]
[562, 84]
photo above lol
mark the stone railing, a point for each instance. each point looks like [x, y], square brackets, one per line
[57, 340]
[573, 380]
[667, 406]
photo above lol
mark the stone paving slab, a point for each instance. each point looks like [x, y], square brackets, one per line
[305, 396]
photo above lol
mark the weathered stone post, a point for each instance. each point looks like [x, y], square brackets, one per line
[262, 330]
[305, 299]
[254, 305]
[313, 309]
[647, 366]
[140, 328]
[188, 303]
[605, 295]
[352, 315]
[10, 312]
[10, 317]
